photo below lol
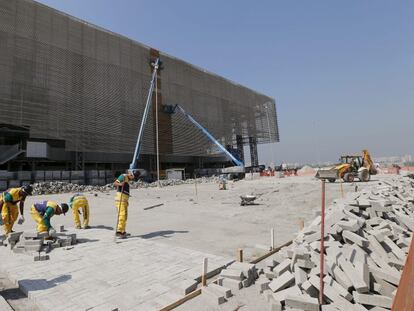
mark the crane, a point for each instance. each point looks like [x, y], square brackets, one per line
[235, 171]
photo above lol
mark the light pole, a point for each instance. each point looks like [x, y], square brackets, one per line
[266, 105]
[156, 129]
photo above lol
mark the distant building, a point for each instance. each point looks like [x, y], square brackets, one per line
[72, 97]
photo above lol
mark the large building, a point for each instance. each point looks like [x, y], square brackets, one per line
[72, 97]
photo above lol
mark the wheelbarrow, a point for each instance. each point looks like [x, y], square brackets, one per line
[247, 199]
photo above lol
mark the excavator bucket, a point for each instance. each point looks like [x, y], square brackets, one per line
[327, 174]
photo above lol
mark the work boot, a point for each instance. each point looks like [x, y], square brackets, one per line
[78, 227]
[86, 227]
[121, 235]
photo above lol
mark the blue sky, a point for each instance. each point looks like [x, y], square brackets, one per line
[342, 72]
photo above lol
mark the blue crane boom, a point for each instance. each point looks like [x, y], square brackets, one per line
[207, 133]
[138, 145]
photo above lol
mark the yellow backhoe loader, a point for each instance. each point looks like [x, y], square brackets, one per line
[351, 167]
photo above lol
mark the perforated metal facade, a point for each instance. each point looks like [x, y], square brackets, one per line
[69, 80]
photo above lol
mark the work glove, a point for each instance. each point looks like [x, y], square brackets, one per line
[20, 220]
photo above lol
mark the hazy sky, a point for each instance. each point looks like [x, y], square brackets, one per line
[342, 72]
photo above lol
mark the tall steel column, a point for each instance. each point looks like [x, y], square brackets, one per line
[253, 151]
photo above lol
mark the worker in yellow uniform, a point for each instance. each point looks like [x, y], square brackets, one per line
[42, 213]
[121, 200]
[8, 206]
[79, 203]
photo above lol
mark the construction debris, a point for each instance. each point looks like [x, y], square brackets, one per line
[367, 240]
[64, 187]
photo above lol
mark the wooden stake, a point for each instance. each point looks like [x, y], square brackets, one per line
[272, 239]
[240, 255]
[301, 224]
[204, 272]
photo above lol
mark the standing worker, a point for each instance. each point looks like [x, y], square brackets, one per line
[42, 213]
[121, 200]
[79, 202]
[8, 206]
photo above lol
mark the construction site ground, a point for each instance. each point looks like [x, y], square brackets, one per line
[167, 243]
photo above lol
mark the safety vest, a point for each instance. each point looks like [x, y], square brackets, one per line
[125, 188]
[15, 194]
[42, 207]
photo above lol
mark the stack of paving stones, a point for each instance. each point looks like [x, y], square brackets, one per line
[56, 187]
[236, 276]
[367, 238]
[37, 244]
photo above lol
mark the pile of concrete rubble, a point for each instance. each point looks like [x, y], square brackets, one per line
[37, 244]
[367, 237]
[64, 187]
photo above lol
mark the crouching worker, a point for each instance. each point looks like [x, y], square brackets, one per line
[121, 200]
[79, 203]
[8, 206]
[43, 212]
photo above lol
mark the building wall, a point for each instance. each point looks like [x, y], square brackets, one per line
[72, 81]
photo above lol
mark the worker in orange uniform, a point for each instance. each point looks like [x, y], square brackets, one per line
[78, 203]
[8, 206]
[121, 200]
[42, 213]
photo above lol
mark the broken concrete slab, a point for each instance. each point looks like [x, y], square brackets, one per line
[302, 302]
[373, 300]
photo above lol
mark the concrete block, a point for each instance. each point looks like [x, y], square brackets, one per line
[280, 296]
[221, 290]
[282, 267]
[41, 257]
[389, 276]
[337, 287]
[300, 275]
[376, 247]
[335, 271]
[373, 300]
[28, 242]
[32, 248]
[305, 264]
[232, 274]
[14, 236]
[262, 284]
[353, 275]
[232, 284]
[394, 248]
[354, 238]
[385, 288]
[309, 289]
[282, 282]
[330, 293]
[215, 297]
[302, 302]
[350, 225]
[247, 282]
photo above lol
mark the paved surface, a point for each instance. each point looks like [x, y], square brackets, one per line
[167, 245]
[209, 221]
[100, 274]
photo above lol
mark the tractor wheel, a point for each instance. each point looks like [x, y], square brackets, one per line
[331, 179]
[348, 177]
[364, 176]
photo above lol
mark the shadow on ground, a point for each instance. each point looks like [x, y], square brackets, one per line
[162, 233]
[30, 285]
[102, 227]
